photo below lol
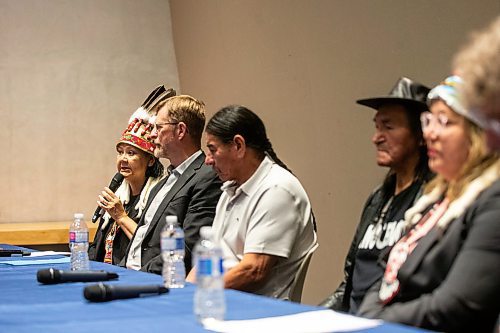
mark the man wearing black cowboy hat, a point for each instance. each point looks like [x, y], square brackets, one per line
[399, 147]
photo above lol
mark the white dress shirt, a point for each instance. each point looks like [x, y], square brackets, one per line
[134, 255]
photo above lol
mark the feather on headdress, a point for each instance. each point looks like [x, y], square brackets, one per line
[141, 122]
[146, 111]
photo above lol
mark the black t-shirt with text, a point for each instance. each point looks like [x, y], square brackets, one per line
[382, 233]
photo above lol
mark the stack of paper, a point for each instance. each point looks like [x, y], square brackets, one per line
[306, 322]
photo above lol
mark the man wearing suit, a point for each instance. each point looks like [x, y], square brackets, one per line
[190, 192]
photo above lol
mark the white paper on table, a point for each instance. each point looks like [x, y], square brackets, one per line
[305, 322]
[47, 253]
[35, 262]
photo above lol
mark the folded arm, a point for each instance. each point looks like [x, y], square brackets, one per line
[251, 273]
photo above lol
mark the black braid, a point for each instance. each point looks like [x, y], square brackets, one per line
[270, 151]
[236, 119]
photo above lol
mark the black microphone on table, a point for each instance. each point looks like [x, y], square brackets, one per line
[101, 292]
[52, 276]
[113, 186]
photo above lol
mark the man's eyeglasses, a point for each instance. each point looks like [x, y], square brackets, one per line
[438, 122]
[158, 126]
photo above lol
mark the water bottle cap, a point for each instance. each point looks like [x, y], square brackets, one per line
[206, 232]
[78, 216]
[171, 219]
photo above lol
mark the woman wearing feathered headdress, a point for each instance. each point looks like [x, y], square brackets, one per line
[141, 170]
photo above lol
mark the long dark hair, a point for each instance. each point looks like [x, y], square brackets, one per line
[236, 119]
[155, 170]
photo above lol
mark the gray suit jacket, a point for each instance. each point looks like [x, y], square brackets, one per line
[192, 199]
[451, 281]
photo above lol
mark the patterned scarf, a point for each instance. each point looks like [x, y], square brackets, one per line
[440, 216]
[123, 193]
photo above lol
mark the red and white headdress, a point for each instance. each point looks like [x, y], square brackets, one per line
[141, 122]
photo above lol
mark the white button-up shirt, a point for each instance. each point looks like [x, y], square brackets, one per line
[134, 255]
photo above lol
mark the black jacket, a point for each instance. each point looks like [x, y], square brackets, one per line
[451, 281]
[120, 243]
[193, 199]
[339, 300]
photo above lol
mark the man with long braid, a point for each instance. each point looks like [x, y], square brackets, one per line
[263, 220]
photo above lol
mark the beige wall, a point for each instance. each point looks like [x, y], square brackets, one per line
[301, 65]
[71, 74]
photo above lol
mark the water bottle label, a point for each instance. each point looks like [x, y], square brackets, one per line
[172, 244]
[205, 267]
[78, 237]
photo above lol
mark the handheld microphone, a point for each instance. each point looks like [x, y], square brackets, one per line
[52, 276]
[101, 292]
[113, 186]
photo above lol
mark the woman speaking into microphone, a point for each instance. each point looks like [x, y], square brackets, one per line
[141, 170]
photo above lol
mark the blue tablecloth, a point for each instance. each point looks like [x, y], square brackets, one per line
[28, 306]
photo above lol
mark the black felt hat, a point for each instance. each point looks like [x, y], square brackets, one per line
[405, 92]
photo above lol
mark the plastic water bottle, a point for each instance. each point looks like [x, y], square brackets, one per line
[209, 301]
[79, 244]
[172, 252]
